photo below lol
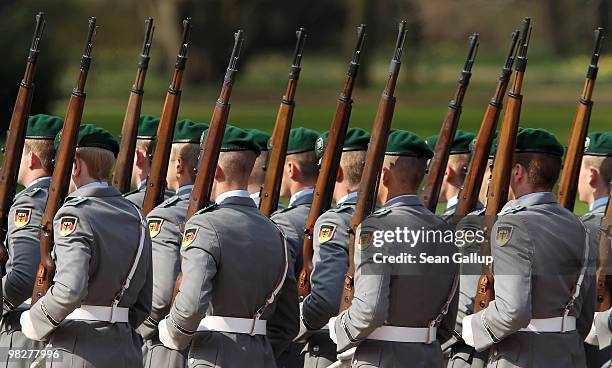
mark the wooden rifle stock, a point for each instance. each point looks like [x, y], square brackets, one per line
[211, 147]
[604, 273]
[58, 188]
[330, 162]
[366, 198]
[568, 184]
[129, 131]
[504, 158]
[16, 137]
[468, 196]
[156, 182]
[437, 165]
[270, 191]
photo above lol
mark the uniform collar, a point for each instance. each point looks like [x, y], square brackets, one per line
[254, 196]
[142, 185]
[531, 199]
[346, 198]
[301, 197]
[452, 202]
[233, 193]
[94, 184]
[404, 200]
[40, 182]
[599, 202]
[184, 189]
[95, 189]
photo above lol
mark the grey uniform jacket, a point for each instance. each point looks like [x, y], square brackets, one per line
[231, 263]
[395, 294]
[538, 253]
[165, 224]
[97, 234]
[22, 244]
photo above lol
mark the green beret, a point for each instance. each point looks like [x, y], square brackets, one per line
[43, 126]
[461, 142]
[405, 143]
[598, 144]
[537, 140]
[302, 140]
[187, 131]
[261, 139]
[356, 139]
[493, 150]
[235, 139]
[93, 136]
[147, 126]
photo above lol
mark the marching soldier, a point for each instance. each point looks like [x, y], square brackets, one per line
[594, 181]
[454, 174]
[102, 285]
[230, 276]
[544, 293]
[165, 223]
[299, 178]
[22, 239]
[145, 144]
[258, 175]
[330, 259]
[397, 307]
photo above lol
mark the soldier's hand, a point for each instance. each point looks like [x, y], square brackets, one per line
[466, 332]
[27, 328]
[600, 334]
[164, 336]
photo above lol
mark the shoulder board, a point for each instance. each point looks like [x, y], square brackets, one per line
[513, 209]
[286, 209]
[170, 201]
[33, 192]
[381, 212]
[75, 201]
[131, 192]
[587, 216]
[479, 212]
[207, 208]
[340, 209]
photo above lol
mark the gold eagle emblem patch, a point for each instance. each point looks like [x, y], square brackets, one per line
[365, 239]
[155, 225]
[68, 225]
[503, 235]
[22, 217]
[326, 232]
[189, 236]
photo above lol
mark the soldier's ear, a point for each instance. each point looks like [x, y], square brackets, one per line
[33, 160]
[594, 177]
[219, 173]
[340, 175]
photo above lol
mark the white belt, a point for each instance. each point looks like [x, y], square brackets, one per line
[555, 324]
[100, 313]
[246, 326]
[404, 334]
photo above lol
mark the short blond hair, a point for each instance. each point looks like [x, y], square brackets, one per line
[307, 163]
[188, 153]
[43, 148]
[601, 163]
[99, 161]
[352, 163]
[458, 163]
[409, 170]
[237, 165]
[145, 145]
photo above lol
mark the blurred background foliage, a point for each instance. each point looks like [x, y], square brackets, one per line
[435, 52]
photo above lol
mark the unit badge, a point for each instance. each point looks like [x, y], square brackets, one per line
[503, 235]
[22, 217]
[365, 239]
[189, 236]
[155, 225]
[326, 233]
[68, 225]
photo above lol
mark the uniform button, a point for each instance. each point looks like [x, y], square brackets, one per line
[316, 348]
[191, 360]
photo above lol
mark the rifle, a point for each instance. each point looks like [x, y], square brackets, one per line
[366, 198]
[129, 132]
[568, 184]
[437, 165]
[280, 137]
[58, 189]
[604, 277]
[15, 137]
[210, 148]
[156, 181]
[504, 158]
[330, 162]
[468, 196]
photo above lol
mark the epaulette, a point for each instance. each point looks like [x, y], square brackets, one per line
[587, 216]
[131, 192]
[381, 212]
[75, 201]
[31, 193]
[478, 212]
[340, 209]
[208, 208]
[512, 209]
[170, 201]
[282, 210]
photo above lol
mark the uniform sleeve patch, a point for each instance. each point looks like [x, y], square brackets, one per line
[189, 236]
[22, 217]
[68, 225]
[155, 225]
[503, 235]
[326, 232]
[364, 240]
